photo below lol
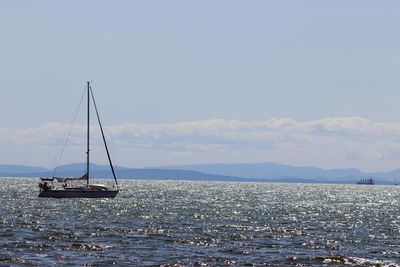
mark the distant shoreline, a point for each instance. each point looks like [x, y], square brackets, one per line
[261, 172]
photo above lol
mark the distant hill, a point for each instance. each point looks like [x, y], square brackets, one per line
[20, 169]
[268, 170]
[260, 172]
[279, 172]
[104, 171]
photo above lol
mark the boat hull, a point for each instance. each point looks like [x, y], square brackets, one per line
[79, 193]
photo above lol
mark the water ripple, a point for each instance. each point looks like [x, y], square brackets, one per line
[181, 223]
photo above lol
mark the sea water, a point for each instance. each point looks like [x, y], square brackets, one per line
[202, 223]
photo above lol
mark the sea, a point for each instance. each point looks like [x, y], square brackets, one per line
[187, 223]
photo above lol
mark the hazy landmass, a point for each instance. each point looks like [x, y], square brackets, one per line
[260, 172]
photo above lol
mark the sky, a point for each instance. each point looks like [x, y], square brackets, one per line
[305, 83]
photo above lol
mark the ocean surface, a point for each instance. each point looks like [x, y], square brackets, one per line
[182, 223]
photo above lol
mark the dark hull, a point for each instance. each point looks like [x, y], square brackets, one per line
[79, 193]
[366, 181]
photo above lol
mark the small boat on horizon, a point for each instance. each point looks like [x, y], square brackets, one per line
[369, 181]
[66, 190]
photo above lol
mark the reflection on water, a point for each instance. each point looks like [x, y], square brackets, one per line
[191, 223]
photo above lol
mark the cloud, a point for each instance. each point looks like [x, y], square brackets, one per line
[335, 139]
[216, 132]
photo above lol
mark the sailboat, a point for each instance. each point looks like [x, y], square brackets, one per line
[48, 189]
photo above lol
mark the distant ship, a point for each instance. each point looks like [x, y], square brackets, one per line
[369, 181]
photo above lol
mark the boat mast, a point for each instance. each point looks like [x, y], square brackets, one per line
[88, 131]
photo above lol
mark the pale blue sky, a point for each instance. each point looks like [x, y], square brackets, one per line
[165, 62]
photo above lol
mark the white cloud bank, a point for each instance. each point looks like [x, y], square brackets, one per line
[327, 143]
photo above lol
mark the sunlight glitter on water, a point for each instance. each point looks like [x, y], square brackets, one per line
[214, 223]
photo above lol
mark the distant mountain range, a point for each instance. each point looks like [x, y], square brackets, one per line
[260, 172]
[286, 173]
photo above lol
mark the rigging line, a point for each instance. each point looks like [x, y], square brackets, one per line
[58, 158]
[116, 170]
[104, 139]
